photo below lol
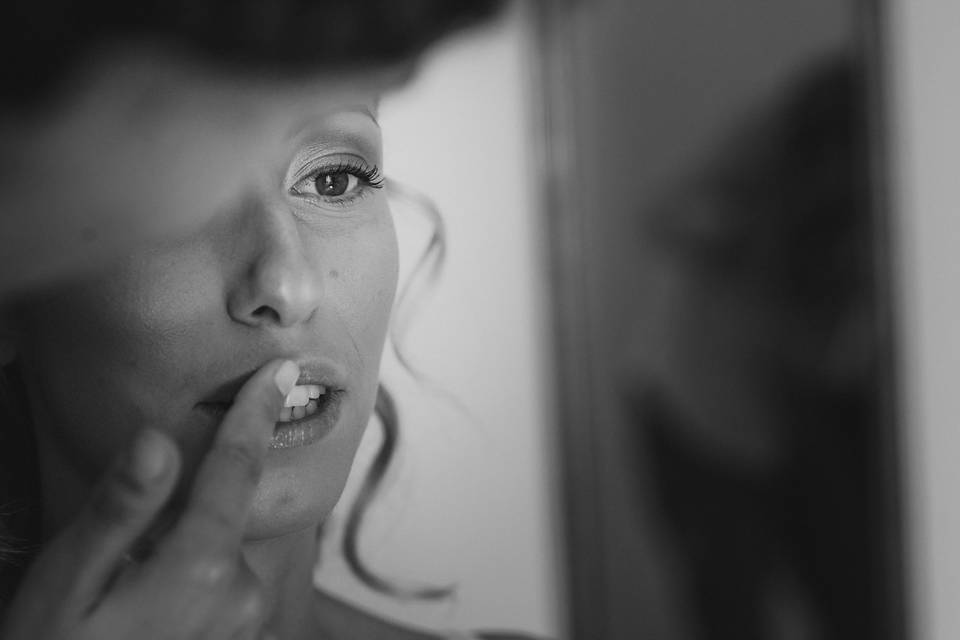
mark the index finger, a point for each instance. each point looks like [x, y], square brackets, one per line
[216, 510]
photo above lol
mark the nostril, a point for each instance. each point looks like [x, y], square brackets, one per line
[265, 312]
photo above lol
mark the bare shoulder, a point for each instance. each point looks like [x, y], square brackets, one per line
[338, 619]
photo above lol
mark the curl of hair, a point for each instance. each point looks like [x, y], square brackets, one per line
[424, 275]
[386, 411]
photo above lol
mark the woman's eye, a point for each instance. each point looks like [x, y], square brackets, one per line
[335, 184]
[339, 184]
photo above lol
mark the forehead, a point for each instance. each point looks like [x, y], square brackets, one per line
[331, 113]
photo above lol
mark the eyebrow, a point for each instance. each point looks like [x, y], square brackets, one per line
[309, 119]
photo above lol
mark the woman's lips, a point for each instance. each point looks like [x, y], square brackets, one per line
[310, 411]
[291, 430]
[300, 432]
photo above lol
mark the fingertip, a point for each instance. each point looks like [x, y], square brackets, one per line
[261, 398]
[152, 456]
[286, 376]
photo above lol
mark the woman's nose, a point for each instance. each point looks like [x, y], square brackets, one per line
[280, 286]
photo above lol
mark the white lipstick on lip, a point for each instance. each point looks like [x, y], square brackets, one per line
[301, 401]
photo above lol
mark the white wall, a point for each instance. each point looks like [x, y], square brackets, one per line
[925, 51]
[471, 499]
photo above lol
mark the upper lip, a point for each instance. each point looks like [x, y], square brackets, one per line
[312, 371]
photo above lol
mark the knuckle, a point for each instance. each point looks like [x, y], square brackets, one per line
[251, 604]
[210, 571]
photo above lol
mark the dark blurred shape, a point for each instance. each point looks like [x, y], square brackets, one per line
[42, 42]
[759, 413]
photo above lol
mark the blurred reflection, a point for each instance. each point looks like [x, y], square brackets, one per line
[753, 382]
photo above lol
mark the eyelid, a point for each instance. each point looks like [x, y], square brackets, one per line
[309, 164]
[354, 166]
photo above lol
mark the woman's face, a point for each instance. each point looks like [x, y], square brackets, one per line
[301, 265]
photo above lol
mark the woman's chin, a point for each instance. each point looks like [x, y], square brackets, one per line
[292, 498]
[301, 484]
[272, 525]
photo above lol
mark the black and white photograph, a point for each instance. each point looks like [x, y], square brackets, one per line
[479, 320]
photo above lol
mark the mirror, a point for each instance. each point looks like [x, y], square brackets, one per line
[723, 332]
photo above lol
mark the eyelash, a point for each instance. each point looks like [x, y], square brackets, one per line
[368, 175]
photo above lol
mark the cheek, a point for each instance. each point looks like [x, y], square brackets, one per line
[72, 406]
[362, 282]
[109, 357]
[301, 493]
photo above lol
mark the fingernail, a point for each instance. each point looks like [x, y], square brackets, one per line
[286, 377]
[149, 458]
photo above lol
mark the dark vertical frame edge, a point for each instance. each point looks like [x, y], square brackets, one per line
[873, 47]
[562, 220]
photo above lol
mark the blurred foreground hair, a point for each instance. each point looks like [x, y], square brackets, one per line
[43, 43]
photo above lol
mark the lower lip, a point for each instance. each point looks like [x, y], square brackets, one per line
[301, 432]
[309, 429]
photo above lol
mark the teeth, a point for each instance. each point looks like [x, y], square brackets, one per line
[295, 413]
[298, 397]
[302, 394]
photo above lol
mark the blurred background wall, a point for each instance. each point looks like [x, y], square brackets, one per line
[470, 500]
[921, 51]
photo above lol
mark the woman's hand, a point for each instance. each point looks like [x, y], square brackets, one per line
[195, 584]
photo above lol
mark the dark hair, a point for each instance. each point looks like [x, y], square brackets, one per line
[41, 43]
